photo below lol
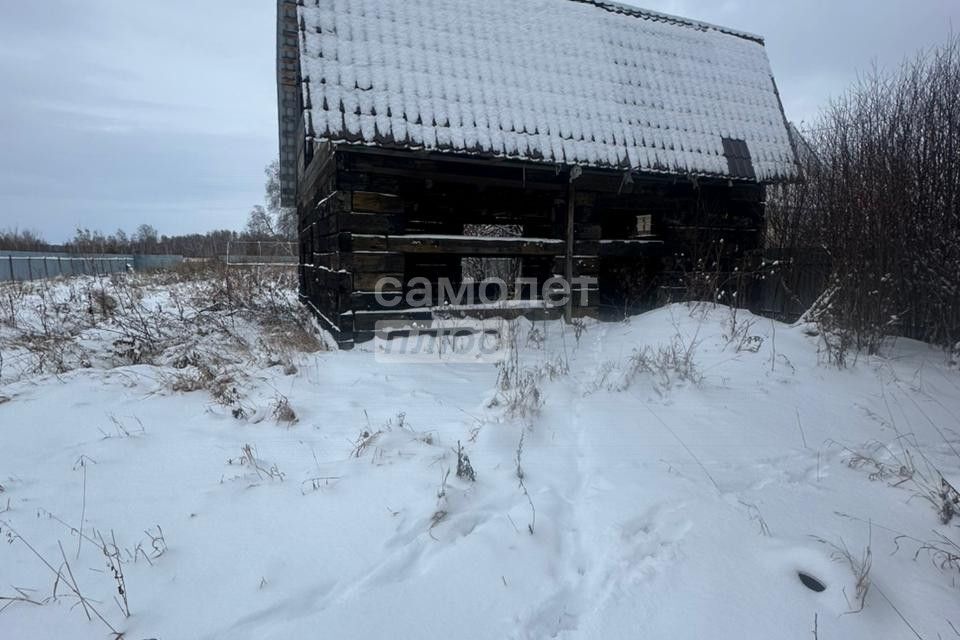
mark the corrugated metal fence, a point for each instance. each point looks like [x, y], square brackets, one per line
[21, 266]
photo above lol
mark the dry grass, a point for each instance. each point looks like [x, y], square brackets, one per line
[860, 566]
[64, 580]
[364, 441]
[283, 412]
[465, 469]
[664, 366]
[251, 460]
[201, 325]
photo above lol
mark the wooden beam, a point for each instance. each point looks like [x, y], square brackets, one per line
[467, 246]
[597, 178]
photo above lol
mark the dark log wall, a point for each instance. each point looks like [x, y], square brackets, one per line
[711, 232]
[364, 215]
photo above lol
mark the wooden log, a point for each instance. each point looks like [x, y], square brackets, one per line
[368, 281]
[373, 262]
[329, 260]
[370, 223]
[327, 278]
[365, 335]
[368, 181]
[346, 222]
[326, 226]
[367, 320]
[533, 313]
[326, 322]
[332, 203]
[447, 169]
[456, 293]
[367, 242]
[366, 262]
[368, 300]
[333, 243]
[367, 202]
[461, 245]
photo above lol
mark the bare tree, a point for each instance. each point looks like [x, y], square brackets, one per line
[21, 240]
[260, 224]
[277, 221]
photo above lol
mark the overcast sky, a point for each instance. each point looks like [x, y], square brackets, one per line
[115, 113]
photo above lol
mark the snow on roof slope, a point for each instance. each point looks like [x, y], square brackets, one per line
[618, 7]
[560, 81]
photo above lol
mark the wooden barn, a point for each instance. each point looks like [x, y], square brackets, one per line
[575, 141]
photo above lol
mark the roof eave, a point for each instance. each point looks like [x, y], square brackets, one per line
[506, 160]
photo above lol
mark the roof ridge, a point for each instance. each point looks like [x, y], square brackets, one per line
[647, 14]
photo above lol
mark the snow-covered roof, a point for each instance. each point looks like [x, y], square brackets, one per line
[559, 81]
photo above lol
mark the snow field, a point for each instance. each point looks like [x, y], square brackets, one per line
[676, 472]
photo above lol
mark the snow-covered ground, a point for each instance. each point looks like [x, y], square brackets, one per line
[667, 477]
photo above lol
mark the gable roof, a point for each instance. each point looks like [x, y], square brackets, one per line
[559, 81]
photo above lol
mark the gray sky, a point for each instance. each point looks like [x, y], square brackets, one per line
[117, 112]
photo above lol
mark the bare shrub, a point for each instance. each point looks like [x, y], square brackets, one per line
[738, 332]
[519, 390]
[102, 303]
[210, 373]
[208, 315]
[881, 200]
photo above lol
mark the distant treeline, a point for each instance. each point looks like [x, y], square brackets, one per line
[267, 225]
[146, 240]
